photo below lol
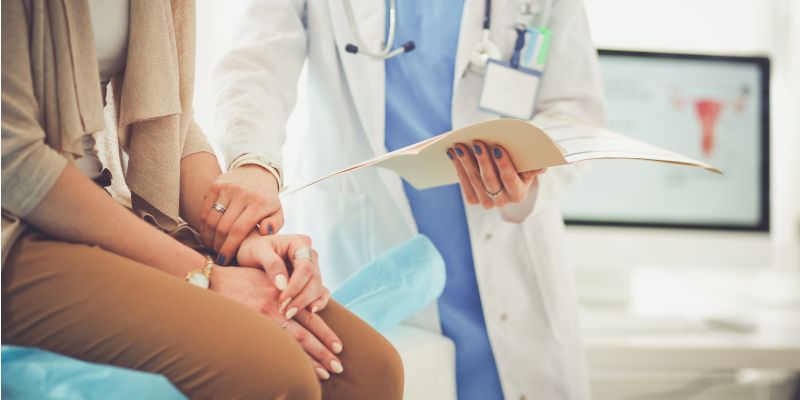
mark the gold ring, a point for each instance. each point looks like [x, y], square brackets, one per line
[493, 195]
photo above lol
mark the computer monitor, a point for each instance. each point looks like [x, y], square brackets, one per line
[711, 108]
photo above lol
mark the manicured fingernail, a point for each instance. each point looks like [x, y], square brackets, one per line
[322, 373]
[284, 304]
[336, 347]
[314, 309]
[269, 230]
[497, 153]
[459, 151]
[221, 259]
[449, 155]
[292, 311]
[337, 367]
[478, 149]
[280, 282]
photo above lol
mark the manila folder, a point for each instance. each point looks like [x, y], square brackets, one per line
[425, 164]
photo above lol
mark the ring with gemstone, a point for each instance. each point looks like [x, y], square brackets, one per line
[304, 253]
[218, 207]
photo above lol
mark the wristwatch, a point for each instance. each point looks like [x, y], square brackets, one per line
[201, 277]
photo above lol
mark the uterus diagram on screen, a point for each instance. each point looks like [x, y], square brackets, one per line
[708, 109]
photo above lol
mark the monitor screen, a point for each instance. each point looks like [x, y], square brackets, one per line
[711, 108]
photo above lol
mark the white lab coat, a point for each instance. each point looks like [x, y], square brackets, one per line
[526, 286]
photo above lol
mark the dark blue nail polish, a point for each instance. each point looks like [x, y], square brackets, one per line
[478, 149]
[459, 151]
[497, 153]
[269, 230]
[450, 156]
[221, 259]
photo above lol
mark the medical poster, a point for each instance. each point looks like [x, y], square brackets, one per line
[705, 109]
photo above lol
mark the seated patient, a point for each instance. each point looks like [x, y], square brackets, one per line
[123, 280]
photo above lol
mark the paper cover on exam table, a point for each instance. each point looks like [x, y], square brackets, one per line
[30, 373]
[396, 285]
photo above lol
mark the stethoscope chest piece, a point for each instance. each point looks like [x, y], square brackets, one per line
[481, 54]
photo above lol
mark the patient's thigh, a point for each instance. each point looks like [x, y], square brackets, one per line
[91, 304]
[372, 366]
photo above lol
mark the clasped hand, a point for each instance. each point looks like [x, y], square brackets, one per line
[260, 283]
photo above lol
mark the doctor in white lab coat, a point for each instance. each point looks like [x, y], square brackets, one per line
[526, 286]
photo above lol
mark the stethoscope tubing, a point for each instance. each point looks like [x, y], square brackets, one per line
[386, 51]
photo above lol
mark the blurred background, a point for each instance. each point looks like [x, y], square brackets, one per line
[689, 283]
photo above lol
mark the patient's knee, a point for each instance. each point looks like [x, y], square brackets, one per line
[291, 377]
[385, 379]
[276, 370]
[391, 370]
[299, 384]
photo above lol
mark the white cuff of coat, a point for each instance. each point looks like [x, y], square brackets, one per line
[255, 159]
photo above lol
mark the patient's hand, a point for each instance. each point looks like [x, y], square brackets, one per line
[253, 288]
[292, 257]
[488, 176]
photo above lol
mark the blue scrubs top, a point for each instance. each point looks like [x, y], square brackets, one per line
[419, 94]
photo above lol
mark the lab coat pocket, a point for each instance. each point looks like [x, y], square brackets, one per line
[338, 224]
[544, 237]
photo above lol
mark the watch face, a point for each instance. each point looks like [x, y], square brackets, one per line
[198, 279]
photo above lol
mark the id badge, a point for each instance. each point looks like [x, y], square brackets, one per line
[534, 53]
[508, 91]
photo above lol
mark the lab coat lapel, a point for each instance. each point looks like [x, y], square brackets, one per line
[365, 78]
[364, 75]
[469, 35]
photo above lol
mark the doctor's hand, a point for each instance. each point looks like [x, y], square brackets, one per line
[234, 204]
[488, 176]
[291, 264]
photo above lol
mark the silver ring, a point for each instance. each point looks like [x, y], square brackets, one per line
[495, 194]
[218, 207]
[285, 324]
[304, 253]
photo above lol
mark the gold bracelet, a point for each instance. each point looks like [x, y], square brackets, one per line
[207, 268]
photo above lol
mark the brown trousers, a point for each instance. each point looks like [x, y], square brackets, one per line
[94, 305]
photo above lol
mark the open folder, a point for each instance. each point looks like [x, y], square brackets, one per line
[425, 164]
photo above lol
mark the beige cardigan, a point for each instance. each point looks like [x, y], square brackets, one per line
[51, 96]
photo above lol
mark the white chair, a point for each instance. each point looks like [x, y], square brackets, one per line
[429, 363]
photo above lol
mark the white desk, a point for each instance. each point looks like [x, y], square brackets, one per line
[660, 345]
[773, 344]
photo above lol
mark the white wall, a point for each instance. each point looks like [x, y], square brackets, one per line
[216, 24]
[703, 26]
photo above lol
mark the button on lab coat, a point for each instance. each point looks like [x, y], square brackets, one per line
[520, 259]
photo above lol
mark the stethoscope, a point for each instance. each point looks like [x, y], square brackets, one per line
[386, 52]
[479, 56]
